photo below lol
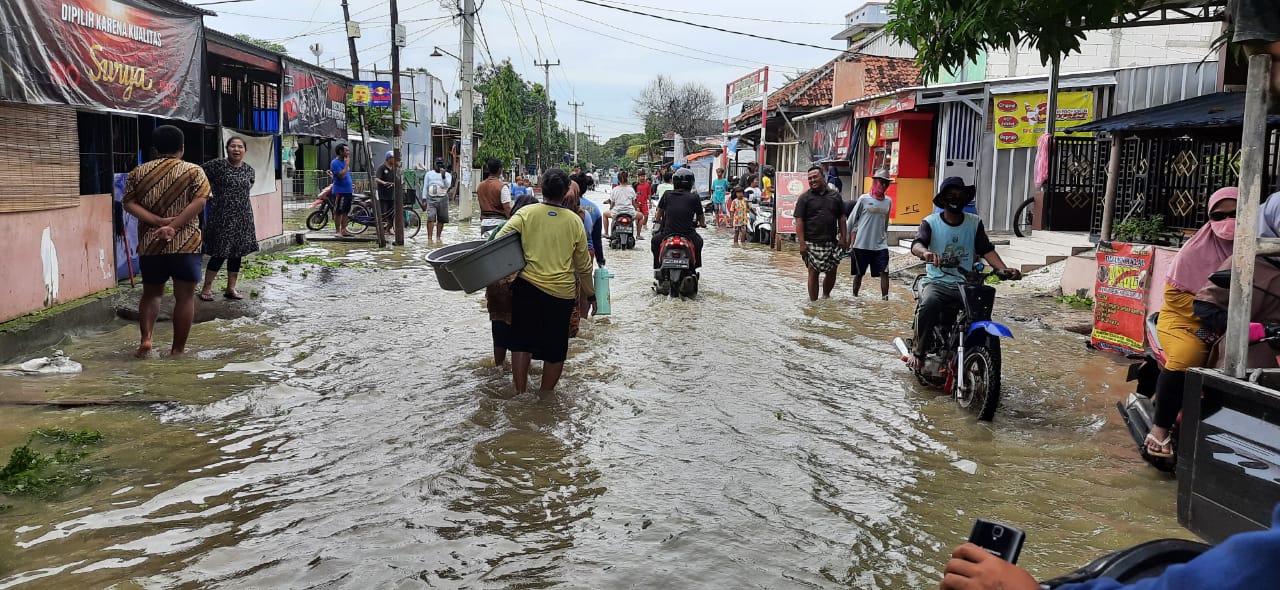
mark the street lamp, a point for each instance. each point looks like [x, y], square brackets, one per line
[437, 52]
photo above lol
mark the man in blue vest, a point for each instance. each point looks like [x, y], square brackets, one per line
[950, 232]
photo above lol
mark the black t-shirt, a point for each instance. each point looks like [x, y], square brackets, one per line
[680, 212]
[386, 174]
[821, 213]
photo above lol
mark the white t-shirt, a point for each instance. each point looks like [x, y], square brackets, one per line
[623, 198]
[437, 184]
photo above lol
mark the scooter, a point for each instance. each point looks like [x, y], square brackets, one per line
[760, 222]
[622, 234]
[677, 275]
[964, 357]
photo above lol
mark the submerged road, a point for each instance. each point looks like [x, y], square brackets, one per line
[355, 435]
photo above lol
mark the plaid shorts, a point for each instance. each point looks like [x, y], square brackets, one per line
[824, 256]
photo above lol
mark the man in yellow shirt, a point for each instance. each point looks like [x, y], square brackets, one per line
[543, 295]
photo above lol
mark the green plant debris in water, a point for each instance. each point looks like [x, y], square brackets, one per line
[5, 508]
[1076, 302]
[312, 259]
[45, 475]
[254, 269]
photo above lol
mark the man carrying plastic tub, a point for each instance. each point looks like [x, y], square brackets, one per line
[545, 292]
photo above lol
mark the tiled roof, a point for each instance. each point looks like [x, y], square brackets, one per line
[813, 90]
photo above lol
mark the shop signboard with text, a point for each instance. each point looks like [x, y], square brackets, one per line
[130, 55]
[314, 103]
[1119, 308]
[371, 94]
[885, 105]
[790, 186]
[1020, 119]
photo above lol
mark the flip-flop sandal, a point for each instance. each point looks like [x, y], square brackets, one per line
[206, 296]
[1161, 443]
[232, 295]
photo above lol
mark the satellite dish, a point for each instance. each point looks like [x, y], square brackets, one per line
[316, 49]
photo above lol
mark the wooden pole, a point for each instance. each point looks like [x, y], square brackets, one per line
[364, 129]
[1113, 184]
[397, 215]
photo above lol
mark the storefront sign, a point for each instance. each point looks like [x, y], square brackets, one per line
[903, 101]
[1119, 308]
[790, 186]
[873, 132]
[1022, 118]
[371, 94]
[749, 87]
[131, 55]
[314, 104]
[890, 129]
[831, 139]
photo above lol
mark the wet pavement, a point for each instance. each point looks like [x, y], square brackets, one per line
[356, 435]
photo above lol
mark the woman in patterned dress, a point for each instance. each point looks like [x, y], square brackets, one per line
[229, 234]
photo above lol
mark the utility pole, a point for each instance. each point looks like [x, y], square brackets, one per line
[546, 87]
[540, 168]
[397, 37]
[364, 129]
[575, 106]
[468, 84]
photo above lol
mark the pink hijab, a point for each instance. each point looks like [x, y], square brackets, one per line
[1203, 253]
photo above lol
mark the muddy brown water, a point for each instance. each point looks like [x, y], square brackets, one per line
[355, 435]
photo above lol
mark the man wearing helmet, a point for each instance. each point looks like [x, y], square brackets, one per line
[950, 232]
[679, 213]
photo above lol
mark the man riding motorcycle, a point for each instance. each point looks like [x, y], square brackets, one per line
[679, 213]
[949, 233]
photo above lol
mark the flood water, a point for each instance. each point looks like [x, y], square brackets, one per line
[356, 435]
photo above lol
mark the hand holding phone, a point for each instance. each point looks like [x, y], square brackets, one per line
[998, 539]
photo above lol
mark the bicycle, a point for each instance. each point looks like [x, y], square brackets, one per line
[362, 218]
[1024, 217]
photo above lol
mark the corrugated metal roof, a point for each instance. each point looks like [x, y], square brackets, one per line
[1220, 109]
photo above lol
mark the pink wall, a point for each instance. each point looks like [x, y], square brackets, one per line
[77, 259]
[268, 214]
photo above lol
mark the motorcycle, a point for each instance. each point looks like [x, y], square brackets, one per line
[964, 357]
[622, 234]
[760, 222]
[677, 274]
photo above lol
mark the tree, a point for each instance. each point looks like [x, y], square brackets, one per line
[678, 108]
[263, 43]
[378, 119]
[504, 117]
[949, 33]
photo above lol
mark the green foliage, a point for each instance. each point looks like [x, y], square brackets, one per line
[32, 473]
[62, 435]
[949, 33]
[1076, 302]
[1138, 229]
[504, 127]
[378, 119]
[263, 43]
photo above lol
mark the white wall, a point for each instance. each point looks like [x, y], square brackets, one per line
[1116, 48]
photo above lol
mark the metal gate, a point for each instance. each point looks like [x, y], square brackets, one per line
[1077, 183]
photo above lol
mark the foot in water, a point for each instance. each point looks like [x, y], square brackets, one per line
[144, 349]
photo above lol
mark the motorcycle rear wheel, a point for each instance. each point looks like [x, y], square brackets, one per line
[981, 393]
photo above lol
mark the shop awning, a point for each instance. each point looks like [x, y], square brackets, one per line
[1221, 109]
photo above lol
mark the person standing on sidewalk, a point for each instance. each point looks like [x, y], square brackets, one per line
[868, 227]
[494, 197]
[820, 231]
[166, 195]
[229, 234]
[343, 188]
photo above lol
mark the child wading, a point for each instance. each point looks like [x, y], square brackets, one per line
[738, 209]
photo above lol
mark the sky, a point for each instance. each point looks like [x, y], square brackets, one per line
[606, 56]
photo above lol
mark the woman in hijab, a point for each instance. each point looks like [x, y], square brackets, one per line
[1211, 301]
[1185, 342]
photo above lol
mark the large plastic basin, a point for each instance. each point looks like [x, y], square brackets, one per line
[488, 263]
[438, 258]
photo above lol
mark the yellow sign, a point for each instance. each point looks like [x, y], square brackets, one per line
[1020, 119]
[873, 132]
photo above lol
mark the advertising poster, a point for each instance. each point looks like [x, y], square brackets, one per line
[1021, 118]
[371, 94]
[831, 138]
[136, 56]
[790, 186]
[313, 103]
[903, 101]
[1119, 308]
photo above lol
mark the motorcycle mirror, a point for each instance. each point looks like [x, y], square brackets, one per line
[1221, 279]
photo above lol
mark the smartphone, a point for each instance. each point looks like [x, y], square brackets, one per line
[1000, 540]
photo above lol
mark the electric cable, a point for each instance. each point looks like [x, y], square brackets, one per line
[702, 26]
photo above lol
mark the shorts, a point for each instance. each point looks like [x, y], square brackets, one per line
[157, 269]
[343, 204]
[539, 322]
[877, 261]
[487, 225]
[501, 334]
[438, 210]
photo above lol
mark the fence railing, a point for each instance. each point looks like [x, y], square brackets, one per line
[306, 184]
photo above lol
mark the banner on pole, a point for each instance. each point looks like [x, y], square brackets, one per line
[789, 188]
[1022, 118]
[371, 94]
[1119, 308]
[131, 55]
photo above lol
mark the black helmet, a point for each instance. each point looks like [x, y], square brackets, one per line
[682, 180]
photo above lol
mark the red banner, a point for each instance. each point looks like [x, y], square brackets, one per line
[1119, 308]
[790, 185]
[903, 101]
[314, 103]
[132, 55]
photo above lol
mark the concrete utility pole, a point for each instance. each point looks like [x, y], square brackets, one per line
[364, 129]
[397, 143]
[575, 106]
[546, 87]
[468, 88]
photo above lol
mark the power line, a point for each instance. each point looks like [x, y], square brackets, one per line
[702, 26]
[484, 41]
[750, 18]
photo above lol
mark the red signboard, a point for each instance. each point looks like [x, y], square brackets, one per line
[790, 186]
[1119, 308]
[903, 101]
[132, 55]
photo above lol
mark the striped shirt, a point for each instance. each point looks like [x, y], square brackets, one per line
[165, 187]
